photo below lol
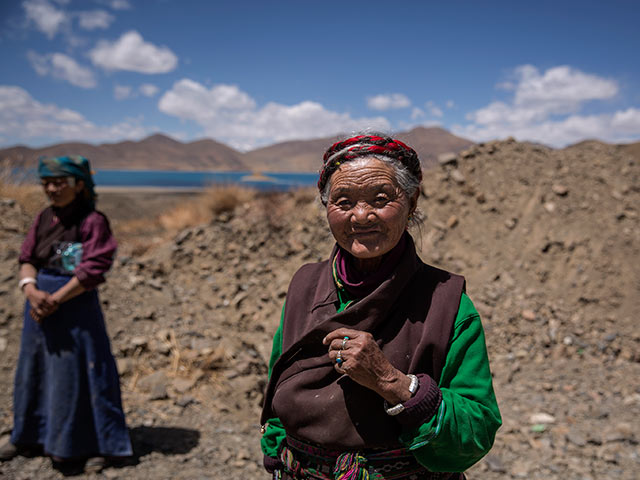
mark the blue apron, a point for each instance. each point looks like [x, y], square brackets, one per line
[67, 390]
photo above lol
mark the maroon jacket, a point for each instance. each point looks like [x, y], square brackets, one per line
[73, 224]
[411, 316]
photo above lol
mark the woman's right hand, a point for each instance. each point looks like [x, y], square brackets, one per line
[42, 305]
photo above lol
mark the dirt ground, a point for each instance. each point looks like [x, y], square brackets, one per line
[549, 243]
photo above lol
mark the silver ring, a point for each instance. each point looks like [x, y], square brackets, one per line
[339, 358]
[344, 342]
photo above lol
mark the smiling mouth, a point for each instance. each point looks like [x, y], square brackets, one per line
[364, 233]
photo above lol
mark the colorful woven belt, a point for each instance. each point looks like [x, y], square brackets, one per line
[303, 460]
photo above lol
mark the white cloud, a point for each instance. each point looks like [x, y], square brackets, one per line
[546, 108]
[119, 4]
[388, 101]
[61, 66]
[148, 89]
[95, 19]
[506, 86]
[130, 52]
[230, 115]
[450, 104]
[22, 119]
[560, 90]
[120, 92]
[47, 18]
[191, 100]
[618, 127]
[627, 121]
[434, 110]
[416, 113]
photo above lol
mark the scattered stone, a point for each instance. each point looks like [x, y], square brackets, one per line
[155, 283]
[617, 195]
[146, 314]
[622, 432]
[520, 470]
[158, 392]
[542, 417]
[457, 176]
[495, 463]
[183, 384]
[185, 400]
[111, 473]
[452, 221]
[511, 223]
[576, 438]
[183, 236]
[633, 399]
[139, 342]
[447, 158]
[467, 153]
[124, 365]
[152, 381]
[560, 190]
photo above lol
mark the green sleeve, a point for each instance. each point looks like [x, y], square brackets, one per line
[463, 429]
[274, 433]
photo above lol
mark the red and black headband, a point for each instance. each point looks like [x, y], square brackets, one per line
[364, 146]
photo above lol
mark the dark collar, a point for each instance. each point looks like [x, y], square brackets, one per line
[327, 293]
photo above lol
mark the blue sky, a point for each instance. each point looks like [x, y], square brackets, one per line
[252, 73]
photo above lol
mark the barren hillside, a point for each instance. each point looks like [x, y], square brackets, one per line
[549, 243]
[304, 156]
[159, 152]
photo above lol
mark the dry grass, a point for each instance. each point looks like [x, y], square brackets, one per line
[226, 198]
[213, 201]
[27, 195]
[137, 236]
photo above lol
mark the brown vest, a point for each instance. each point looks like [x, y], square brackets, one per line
[48, 235]
[411, 316]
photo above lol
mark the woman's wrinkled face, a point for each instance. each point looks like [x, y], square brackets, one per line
[61, 190]
[367, 210]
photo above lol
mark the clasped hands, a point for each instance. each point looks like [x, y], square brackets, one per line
[365, 363]
[42, 303]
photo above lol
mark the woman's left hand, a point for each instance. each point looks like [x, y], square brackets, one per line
[363, 361]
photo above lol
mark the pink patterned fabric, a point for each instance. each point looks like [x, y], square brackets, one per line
[366, 145]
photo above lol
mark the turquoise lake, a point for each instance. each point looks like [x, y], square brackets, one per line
[196, 180]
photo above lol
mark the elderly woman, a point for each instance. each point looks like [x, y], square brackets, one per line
[379, 368]
[67, 393]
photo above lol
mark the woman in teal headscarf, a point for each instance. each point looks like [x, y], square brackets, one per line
[67, 393]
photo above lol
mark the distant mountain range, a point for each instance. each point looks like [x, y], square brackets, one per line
[159, 152]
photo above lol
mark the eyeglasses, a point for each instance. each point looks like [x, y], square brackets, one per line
[57, 182]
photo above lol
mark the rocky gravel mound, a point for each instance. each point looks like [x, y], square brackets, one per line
[547, 239]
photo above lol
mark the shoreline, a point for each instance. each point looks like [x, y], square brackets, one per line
[142, 189]
[135, 203]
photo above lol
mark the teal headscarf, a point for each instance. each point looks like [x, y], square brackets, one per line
[69, 166]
